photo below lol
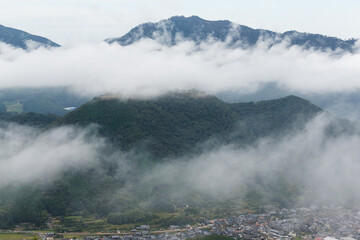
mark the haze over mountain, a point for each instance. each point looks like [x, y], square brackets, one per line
[24, 40]
[179, 28]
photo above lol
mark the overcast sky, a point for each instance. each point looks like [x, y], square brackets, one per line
[70, 22]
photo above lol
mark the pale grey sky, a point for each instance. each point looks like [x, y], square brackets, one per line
[70, 22]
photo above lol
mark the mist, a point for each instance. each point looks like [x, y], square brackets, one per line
[314, 165]
[320, 161]
[148, 68]
[31, 156]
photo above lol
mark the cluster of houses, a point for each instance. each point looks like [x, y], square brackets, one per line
[304, 223]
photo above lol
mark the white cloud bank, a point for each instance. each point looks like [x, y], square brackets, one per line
[147, 68]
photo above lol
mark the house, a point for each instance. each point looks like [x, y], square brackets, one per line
[174, 227]
[144, 227]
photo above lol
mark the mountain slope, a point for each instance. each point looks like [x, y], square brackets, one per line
[18, 38]
[265, 117]
[196, 29]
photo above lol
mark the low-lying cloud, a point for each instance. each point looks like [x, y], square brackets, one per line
[321, 165]
[320, 161]
[148, 68]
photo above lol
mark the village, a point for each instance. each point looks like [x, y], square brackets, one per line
[301, 223]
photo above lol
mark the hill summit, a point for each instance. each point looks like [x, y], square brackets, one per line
[175, 123]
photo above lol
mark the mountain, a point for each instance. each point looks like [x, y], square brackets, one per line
[197, 29]
[151, 132]
[21, 39]
[175, 124]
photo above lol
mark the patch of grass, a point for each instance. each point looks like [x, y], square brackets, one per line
[6, 236]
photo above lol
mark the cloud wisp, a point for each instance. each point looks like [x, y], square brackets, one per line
[28, 155]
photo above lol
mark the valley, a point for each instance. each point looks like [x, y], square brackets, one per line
[114, 192]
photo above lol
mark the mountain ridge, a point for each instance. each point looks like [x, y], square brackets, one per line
[197, 29]
[173, 124]
[19, 38]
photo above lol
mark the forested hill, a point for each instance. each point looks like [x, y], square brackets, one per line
[176, 123]
[116, 190]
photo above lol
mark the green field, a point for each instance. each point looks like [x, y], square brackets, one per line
[18, 236]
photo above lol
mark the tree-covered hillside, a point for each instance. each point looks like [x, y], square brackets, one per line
[275, 116]
[169, 125]
[176, 123]
[117, 186]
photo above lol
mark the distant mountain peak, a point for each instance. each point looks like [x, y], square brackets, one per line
[21, 39]
[177, 28]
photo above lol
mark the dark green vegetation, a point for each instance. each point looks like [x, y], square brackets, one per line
[115, 190]
[176, 124]
[171, 125]
[275, 116]
[196, 29]
[29, 119]
[18, 38]
[39, 100]
[17, 236]
[213, 237]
